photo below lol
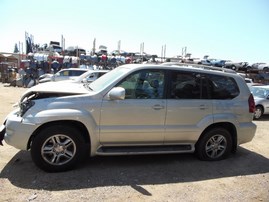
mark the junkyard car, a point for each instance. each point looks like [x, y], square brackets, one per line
[261, 97]
[264, 67]
[236, 65]
[134, 109]
[61, 75]
[88, 76]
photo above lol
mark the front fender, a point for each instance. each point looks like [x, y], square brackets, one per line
[87, 118]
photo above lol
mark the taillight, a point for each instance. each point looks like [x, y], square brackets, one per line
[251, 104]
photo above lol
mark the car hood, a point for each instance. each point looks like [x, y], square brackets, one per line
[54, 89]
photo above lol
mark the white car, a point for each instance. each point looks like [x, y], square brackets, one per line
[261, 97]
[263, 66]
[249, 81]
[235, 65]
[87, 77]
[63, 74]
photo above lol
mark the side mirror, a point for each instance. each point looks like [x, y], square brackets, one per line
[117, 93]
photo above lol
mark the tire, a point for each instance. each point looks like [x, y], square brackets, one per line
[233, 67]
[266, 69]
[214, 145]
[258, 112]
[58, 148]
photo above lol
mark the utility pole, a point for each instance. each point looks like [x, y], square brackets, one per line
[141, 51]
[119, 44]
[184, 51]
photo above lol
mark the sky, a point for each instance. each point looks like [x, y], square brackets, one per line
[237, 30]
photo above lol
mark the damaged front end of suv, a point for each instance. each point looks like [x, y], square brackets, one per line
[39, 95]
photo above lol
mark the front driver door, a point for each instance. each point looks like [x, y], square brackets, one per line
[140, 117]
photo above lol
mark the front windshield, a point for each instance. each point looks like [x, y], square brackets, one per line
[259, 92]
[105, 80]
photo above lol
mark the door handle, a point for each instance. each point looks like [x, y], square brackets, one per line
[158, 107]
[203, 107]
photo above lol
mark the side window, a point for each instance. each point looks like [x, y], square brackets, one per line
[76, 73]
[64, 73]
[145, 84]
[222, 87]
[185, 85]
[190, 85]
[100, 74]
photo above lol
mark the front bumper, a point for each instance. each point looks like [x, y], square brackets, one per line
[18, 131]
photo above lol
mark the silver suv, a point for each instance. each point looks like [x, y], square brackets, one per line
[134, 109]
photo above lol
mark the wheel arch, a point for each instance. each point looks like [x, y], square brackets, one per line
[260, 105]
[227, 126]
[76, 124]
[266, 69]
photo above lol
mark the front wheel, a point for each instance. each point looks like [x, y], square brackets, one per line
[215, 144]
[57, 148]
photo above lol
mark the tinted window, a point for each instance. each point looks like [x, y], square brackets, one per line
[71, 73]
[191, 85]
[76, 73]
[184, 85]
[222, 87]
[100, 74]
[64, 73]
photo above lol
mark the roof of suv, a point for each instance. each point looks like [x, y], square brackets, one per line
[198, 66]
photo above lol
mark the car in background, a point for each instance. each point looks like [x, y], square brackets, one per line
[134, 109]
[87, 77]
[63, 74]
[205, 62]
[236, 65]
[218, 63]
[254, 66]
[261, 97]
[249, 81]
[263, 67]
[262, 77]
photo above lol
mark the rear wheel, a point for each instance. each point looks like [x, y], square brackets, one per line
[258, 112]
[58, 148]
[215, 144]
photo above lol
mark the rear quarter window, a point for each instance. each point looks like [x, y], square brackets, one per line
[223, 87]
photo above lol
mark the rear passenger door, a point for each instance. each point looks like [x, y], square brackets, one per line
[189, 108]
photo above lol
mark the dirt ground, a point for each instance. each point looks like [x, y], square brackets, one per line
[242, 177]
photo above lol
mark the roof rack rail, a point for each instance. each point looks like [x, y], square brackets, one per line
[199, 66]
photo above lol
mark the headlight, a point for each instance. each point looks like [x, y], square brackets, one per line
[25, 105]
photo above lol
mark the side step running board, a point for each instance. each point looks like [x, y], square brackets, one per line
[121, 150]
